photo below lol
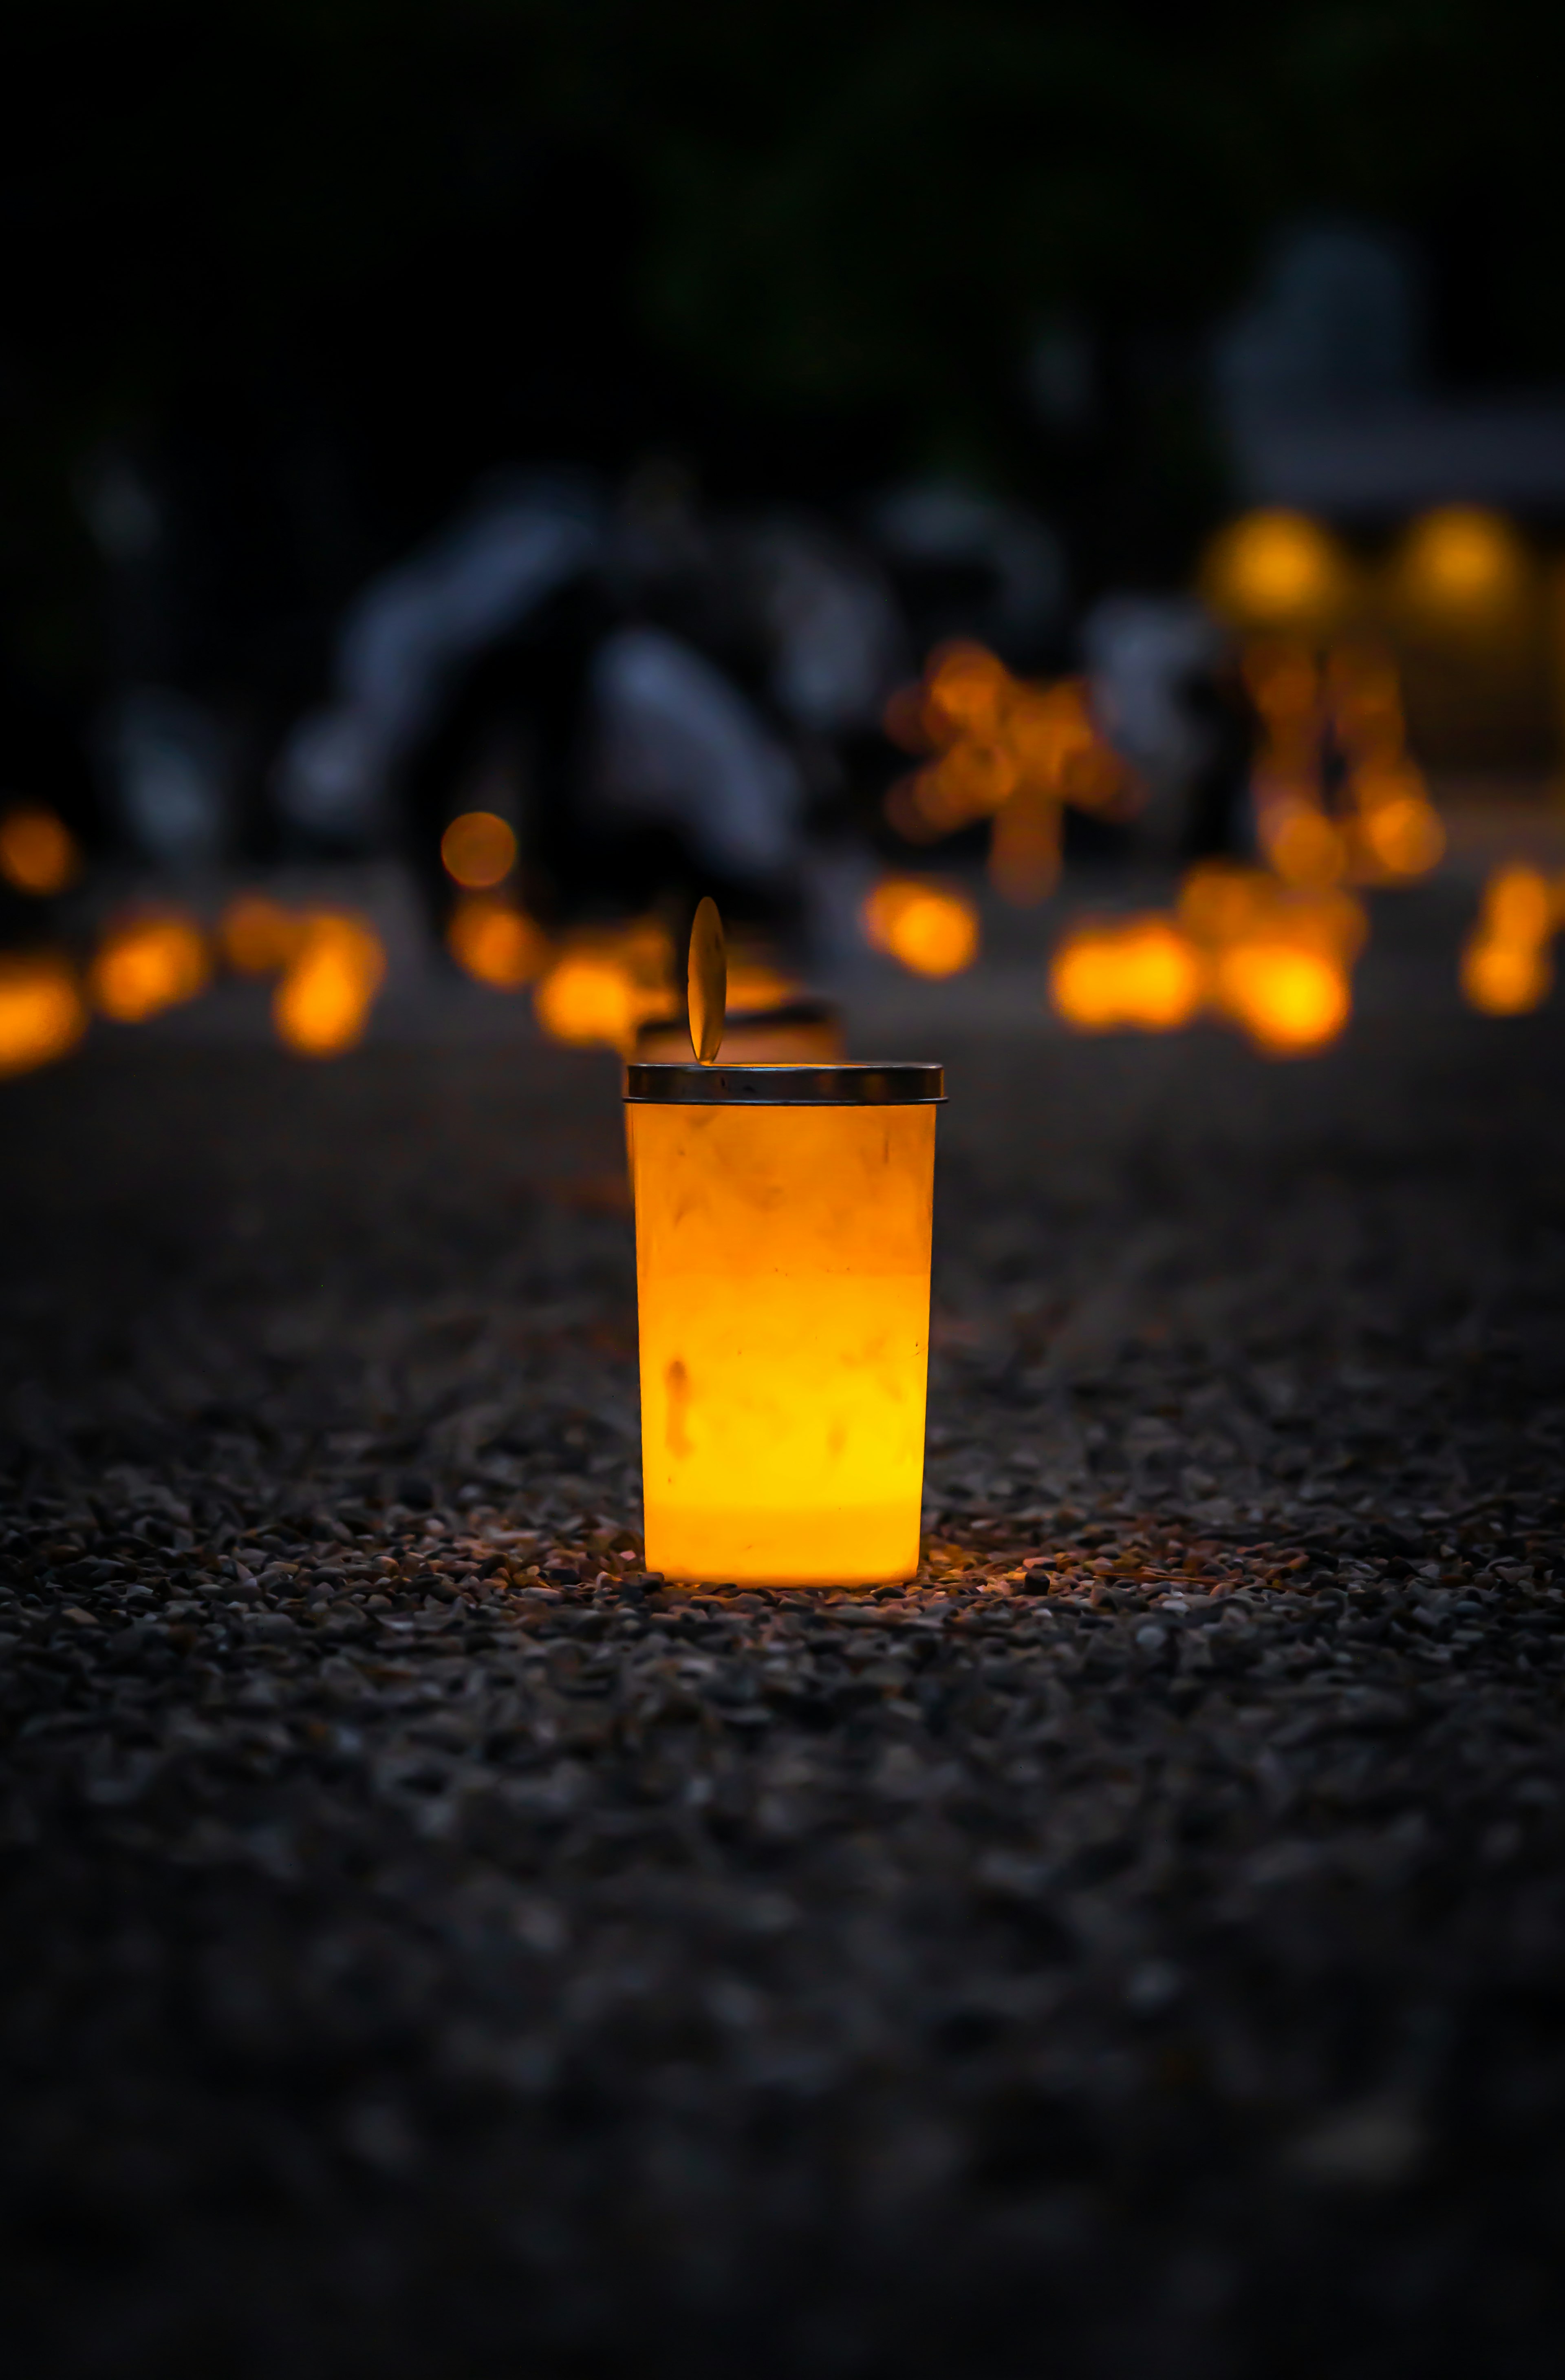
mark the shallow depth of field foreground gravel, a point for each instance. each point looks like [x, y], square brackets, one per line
[431, 1949]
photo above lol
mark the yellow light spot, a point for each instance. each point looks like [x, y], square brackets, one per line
[38, 852]
[1139, 972]
[43, 1014]
[147, 963]
[258, 936]
[929, 929]
[323, 1004]
[1290, 999]
[1275, 568]
[1505, 978]
[479, 850]
[496, 943]
[1463, 560]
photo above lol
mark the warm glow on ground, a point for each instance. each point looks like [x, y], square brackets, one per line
[146, 963]
[1140, 972]
[1274, 567]
[497, 943]
[43, 1014]
[38, 852]
[258, 936]
[930, 928]
[479, 850]
[323, 1004]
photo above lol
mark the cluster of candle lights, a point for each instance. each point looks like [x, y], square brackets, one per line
[1273, 959]
[1269, 949]
[999, 747]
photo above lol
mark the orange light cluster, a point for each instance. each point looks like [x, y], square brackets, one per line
[479, 850]
[1275, 961]
[322, 1004]
[39, 855]
[1507, 967]
[1139, 972]
[1279, 957]
[496, 942]
[149, 962]
[1004, 749]
[1388, 830]
[930, 928]
[43, 1014]
[602, 986]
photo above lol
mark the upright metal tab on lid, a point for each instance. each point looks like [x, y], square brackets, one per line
[854, 1082]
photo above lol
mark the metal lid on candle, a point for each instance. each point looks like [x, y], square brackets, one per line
[852, 1083]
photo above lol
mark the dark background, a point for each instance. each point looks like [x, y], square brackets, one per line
[315, 265]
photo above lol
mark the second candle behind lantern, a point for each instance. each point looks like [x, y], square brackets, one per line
[783, 1264]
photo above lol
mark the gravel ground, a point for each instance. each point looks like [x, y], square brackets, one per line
[432, 1948]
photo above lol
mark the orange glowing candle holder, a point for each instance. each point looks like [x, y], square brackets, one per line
[782, 1229]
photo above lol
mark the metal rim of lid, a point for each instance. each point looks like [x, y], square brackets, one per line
[842, 1082]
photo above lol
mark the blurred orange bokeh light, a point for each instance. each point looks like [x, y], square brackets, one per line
[147, 963]
[932, 930]
[1288, 998]
[258, 936]
[38, 852]
[43, 1014]
[1464, 560]
[589, 996]
[323, 1004]
[1506, 979]
[1139, 972]
[496, 943]
[1272, 568]
[479, 850]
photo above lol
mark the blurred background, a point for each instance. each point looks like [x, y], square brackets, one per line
[1082, 485]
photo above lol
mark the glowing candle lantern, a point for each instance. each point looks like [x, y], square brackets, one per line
[783, 1228]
